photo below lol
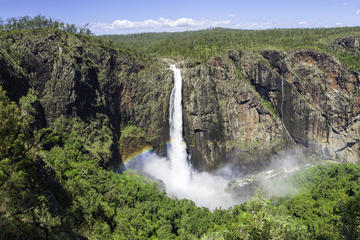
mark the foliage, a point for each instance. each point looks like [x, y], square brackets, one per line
[55, 190]
[132, 138]
[349, 224]
[350, 59]
[28, 190]
[52, 188]
[322, 190]
[40, 21]
[204, 44]
[260, 219]
[9, 127]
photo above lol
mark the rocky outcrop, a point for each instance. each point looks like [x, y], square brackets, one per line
[349, 43]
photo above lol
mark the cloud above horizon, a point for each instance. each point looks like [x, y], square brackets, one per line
[125, 26]
[303, 23]
[161, 24]
[256, 25]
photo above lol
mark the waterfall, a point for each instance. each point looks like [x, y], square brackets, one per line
[282, 100]
[180, 180]
[177, 151]
[212, 190]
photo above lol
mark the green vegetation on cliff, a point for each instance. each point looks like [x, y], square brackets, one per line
[51, 188]
[100, 85]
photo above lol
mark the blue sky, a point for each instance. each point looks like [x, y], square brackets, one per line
[130, 16]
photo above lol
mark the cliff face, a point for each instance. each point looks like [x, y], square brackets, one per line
[246, 106]
[242, 107]
[321, 100]
[226, 119]
[77, 77]
[326, 97]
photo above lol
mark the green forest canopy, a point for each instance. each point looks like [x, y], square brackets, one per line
[50, 188]
[204, 44]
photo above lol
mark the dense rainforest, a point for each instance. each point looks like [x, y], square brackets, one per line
[73, 107]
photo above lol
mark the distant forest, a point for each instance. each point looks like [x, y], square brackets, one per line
[205, 44]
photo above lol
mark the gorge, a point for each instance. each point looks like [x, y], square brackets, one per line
[240, 109]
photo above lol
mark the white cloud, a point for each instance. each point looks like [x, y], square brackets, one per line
[346, 3]
[303, 23]
[232, 15]
[161, 24]
[124, 26]
[256, 25]
[358, 12]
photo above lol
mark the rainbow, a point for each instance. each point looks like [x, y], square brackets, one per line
[142, 151]
[137, 153]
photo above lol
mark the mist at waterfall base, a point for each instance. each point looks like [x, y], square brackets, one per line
[175, 171]
[206, 190]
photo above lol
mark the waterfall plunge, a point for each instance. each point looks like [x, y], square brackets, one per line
[282, 99]
[206, 190]
[180, 180]
[177, 150]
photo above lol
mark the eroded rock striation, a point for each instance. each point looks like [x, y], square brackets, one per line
[247, 105]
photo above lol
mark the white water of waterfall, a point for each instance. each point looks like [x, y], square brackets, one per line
[177, 150]
[179, 179]
[282, 100]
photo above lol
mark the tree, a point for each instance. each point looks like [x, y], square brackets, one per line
[9, 125]
[39, 21]
[29, 192]
[349, 225]
[1, 24]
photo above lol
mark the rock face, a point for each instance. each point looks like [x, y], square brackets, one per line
[349, 43]
[326, 97]
[226, 119]
[80, 77]
[242, 107]
[245, 106]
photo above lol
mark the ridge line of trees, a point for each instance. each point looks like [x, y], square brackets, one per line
[39, 21]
